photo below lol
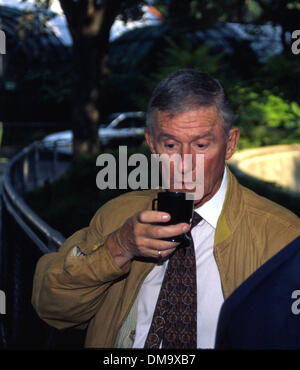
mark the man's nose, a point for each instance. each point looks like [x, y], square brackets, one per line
[186, 162]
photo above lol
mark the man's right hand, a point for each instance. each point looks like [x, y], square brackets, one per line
[140, 236]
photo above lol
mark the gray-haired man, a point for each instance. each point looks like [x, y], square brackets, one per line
[113, 284]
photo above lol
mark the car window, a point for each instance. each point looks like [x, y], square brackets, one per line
[125, 123]
[139, 122]
[131, 122]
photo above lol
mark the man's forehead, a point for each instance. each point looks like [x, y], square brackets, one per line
[208, 134]
[208, 116]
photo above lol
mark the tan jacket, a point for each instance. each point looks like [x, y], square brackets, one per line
[92, 289]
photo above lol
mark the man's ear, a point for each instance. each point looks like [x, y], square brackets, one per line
[233, 139]
[149, 140]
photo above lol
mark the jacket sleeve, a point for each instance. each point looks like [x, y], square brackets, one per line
[68, 289]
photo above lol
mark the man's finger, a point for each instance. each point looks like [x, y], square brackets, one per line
[153, 216]
[162, 231]
[161, 254]
[162, 245]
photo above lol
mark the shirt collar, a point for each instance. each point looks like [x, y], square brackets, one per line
[211, 210]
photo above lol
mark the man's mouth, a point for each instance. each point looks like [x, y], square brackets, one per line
[186, 187]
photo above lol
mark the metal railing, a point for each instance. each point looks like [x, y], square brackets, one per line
[25, 237]
[19, 178]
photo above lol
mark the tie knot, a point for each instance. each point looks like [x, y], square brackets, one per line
[196, 219]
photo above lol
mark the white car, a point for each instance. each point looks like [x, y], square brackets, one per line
[124, 126]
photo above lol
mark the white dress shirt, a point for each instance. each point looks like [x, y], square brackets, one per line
[209, 290]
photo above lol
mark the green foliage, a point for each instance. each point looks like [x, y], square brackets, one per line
[281, 75]
[183, 53]
[180, 53]
[264, 118]
[50, 85]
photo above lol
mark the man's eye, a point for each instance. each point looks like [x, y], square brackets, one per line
[170, 145]
[201, 145]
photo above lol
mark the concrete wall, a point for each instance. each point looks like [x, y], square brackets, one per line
[278, 163]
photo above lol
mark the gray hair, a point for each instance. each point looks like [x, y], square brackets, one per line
[187, 89]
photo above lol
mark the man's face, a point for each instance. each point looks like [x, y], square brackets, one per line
[197, 131]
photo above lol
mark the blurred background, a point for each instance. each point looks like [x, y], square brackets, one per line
[75, 80]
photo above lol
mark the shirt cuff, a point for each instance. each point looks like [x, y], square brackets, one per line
[77, 252]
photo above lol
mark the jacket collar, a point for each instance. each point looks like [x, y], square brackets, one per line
[210, 211]
[232, 210]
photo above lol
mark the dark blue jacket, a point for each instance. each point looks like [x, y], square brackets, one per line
[264, 311]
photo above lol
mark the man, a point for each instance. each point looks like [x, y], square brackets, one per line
[106, 276]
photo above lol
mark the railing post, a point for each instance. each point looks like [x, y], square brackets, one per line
[54, 163]
[20, 177]
[25, 172]
[35, 164]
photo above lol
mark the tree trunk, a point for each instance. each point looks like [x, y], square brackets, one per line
[85, 109]
[89, 22]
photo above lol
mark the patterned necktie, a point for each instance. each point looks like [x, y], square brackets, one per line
[175, 316]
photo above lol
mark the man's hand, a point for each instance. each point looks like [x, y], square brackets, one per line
[141, 237]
